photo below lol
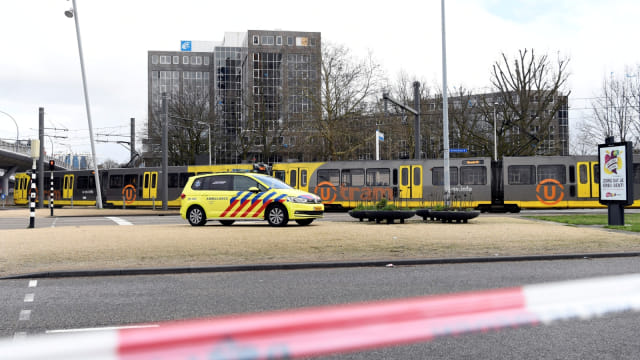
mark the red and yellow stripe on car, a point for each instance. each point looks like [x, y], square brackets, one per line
[250, 201]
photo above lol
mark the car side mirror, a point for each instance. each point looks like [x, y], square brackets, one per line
[254, 189]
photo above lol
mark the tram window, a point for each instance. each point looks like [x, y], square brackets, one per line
[555, 172]
[636, 173]
[172, 180]
[115, 181]
[437, 176]
[473, 175]
[154, 180]
[83, 182]
[405, 177]
[353, 177]
[293, 176]
[521, 174]
[584, 175]
[280, 175]
[184, 177]
[131, 180]
[303, 177]
[378, 177]
[329, 175]
[395, 177]
[572, 174]
[417, 175]
[596, 174]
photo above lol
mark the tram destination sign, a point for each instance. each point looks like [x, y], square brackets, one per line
[616, 173]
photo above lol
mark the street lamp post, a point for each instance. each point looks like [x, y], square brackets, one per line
[495, 134]
[17, 131]
[73, 13]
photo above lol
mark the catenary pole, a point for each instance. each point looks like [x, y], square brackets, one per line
[445, 115]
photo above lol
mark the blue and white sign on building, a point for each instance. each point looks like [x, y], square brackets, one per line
[185, 45]
[380, 135]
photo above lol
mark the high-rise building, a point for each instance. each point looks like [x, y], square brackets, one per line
[256, 93]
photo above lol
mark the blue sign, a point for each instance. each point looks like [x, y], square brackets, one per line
[3, 196]
[458, 150]
[185, 45]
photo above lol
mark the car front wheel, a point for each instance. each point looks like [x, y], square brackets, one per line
[196, 216]
[277, 215]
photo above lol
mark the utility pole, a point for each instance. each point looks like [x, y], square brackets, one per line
[165, 152]
[416, 100]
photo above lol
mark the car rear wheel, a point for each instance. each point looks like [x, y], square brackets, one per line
[304, 222]
[196, 216]
[227, 222]
[277, 215]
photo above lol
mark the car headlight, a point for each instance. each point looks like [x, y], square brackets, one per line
[304, 199]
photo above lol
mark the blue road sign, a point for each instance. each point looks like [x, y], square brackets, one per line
[458, 150]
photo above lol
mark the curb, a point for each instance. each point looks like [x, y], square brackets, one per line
[306, 266]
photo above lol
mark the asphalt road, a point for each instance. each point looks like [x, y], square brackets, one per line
[46, 305]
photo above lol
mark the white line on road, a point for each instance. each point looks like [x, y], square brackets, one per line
[29, 297]
[118, 221]
[33, 283]
[106, 328]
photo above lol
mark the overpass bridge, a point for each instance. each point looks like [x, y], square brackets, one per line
[15, 158]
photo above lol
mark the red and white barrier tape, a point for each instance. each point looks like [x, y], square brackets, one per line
[326, 330]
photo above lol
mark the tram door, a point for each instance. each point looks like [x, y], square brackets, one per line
[588, 179]
[67, 187]
[150, 185]
[411, 182]
[298, 178]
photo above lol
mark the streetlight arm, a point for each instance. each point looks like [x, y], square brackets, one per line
[386, 97]
[17, 131]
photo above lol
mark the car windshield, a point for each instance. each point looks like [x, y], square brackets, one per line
[272, 183]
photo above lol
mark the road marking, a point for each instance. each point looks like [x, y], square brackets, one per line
[118, 221]
[53, 224]
[25, 315]
[20, 335]
[29, 297]
[33, 283]
[106, 328]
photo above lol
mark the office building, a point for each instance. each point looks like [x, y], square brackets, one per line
[255, 93]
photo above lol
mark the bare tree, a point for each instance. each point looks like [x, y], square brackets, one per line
[530, 90]
[349, 86]
[189, 121]
[612, 111]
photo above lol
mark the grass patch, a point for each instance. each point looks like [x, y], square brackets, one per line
[631, 221]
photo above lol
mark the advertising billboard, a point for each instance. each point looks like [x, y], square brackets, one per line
[616, 173]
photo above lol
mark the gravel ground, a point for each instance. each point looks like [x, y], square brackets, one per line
[181, 245]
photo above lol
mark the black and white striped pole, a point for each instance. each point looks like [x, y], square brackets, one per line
[35, 154]
[52, 166]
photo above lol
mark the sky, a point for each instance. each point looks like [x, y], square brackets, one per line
[40, 67]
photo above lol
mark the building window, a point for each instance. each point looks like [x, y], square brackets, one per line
[267, 40]
[279, 40]
[206, 60]
[185, 60]
[256, 40]
[290, 40]
[154, 59]
[176, 60]
[165, 59]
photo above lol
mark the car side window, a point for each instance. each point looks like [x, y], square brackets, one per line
[220, 182]
[243, 183]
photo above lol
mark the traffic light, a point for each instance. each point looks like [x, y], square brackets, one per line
[52, 165]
